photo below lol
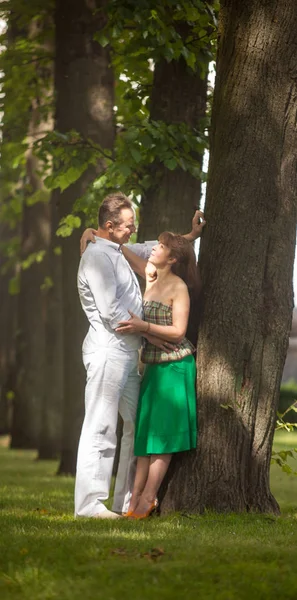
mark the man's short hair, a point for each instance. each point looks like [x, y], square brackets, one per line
[111, 207]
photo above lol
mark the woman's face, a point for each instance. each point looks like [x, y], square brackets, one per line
[160, 255]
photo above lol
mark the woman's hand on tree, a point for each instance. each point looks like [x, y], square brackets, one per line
[198, 222]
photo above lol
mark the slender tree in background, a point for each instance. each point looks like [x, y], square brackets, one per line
[7, 339]
[30, 322]
[27, 64]
[8, 226]
[178, 96]
[35, 234]
[85, 91]
[49, 444]
[247, 255]
[161, 68]
[19, 86]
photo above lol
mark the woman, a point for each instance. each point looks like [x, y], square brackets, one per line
[166, 417]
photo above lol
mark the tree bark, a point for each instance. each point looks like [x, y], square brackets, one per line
[85, 99]
[10, 181]
[30, 323]
[49, 446]
[7, 339]
[35, 235]
[247, 255]
[178, 96]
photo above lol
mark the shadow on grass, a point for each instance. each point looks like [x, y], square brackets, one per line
[209, 557]
[46, 554]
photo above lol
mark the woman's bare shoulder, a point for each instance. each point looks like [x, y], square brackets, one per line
[178, 284]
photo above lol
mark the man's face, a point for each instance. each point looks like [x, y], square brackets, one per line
[120, 234]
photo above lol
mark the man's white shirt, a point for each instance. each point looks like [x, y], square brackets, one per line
[108, 288]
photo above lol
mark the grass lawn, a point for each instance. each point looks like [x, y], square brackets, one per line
[45, 553]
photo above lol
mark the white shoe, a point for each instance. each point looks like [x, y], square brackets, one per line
[107, 514]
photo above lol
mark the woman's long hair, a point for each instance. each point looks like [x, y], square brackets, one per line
[187, 269]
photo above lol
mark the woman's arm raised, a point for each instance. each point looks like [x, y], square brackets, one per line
[136, 263]
[198, 223]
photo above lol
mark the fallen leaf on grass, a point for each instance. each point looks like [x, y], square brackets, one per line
[154, 553]
[119, 551]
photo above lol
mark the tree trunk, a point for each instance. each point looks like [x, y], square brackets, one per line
[247, 254]
[178, 96]
[7, 339]
[85, 99]
[10, 180]
[30, 339]
[52, 406]
[34, 238]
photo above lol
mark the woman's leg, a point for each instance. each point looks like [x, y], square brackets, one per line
[142, 470]
[158, 466]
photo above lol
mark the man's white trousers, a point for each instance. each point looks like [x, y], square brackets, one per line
[112, 387]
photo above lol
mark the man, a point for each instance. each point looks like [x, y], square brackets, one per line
[108, 288]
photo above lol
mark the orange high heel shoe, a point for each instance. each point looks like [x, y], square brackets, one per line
[153, 507]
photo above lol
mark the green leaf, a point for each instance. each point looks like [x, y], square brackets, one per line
[100, 182]
[38, 196]
[183, 163]
[136, 154]
[34, 257]
[67, 225]
[191, 60]
[14, 285]
[63, 180]
[47, 284]
[101, 38]
[287, 469]
[124, 169]
[147, 141]
[169, 53]
[171, 164]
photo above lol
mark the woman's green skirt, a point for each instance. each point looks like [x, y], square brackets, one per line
[166, 416]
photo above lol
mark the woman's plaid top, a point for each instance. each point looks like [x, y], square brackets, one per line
[161, 314]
